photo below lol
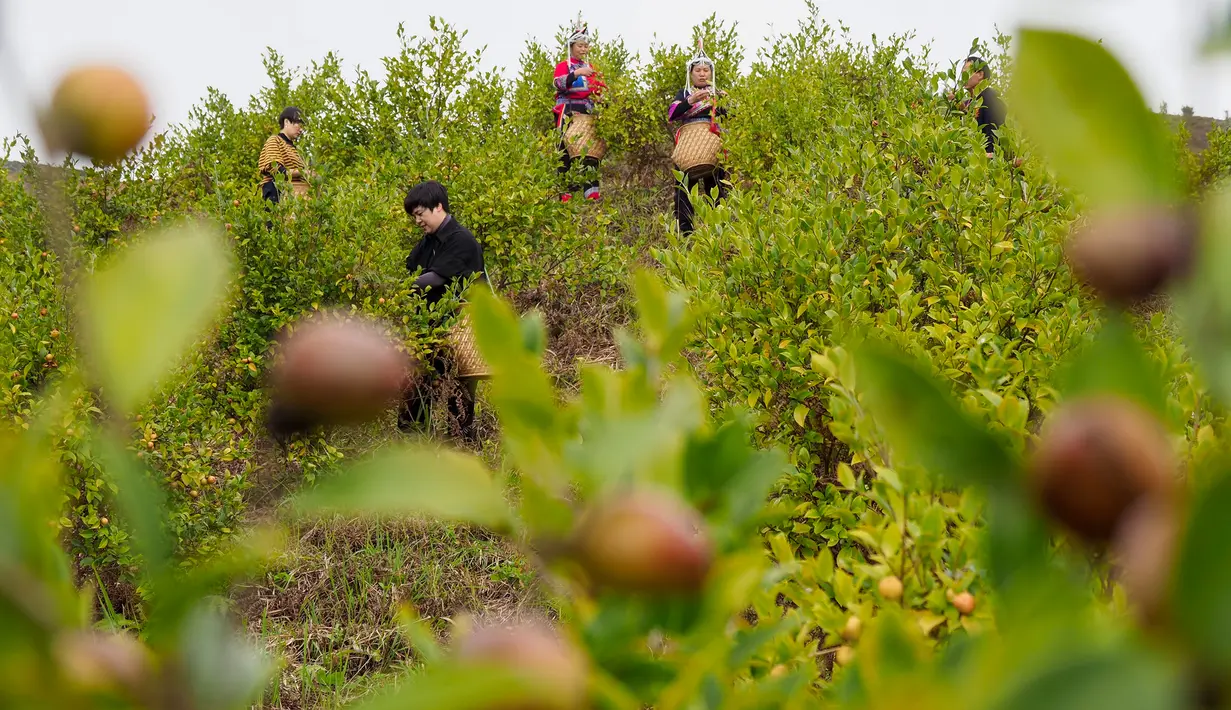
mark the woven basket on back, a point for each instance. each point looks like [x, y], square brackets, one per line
[581, 138]
[466, 352]
[696, 150]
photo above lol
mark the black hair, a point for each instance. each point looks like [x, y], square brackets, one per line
[290, 113]
[426, 195]
[978, 64]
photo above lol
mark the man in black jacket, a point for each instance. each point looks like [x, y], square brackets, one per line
[448, 254]
[990, 110]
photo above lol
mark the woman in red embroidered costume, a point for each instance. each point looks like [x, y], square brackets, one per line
[696, 103]
[577, 86]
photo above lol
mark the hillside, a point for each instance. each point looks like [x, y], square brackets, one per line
[1199, 128]
[872, 212]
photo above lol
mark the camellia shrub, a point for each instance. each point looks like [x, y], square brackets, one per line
[898, 425]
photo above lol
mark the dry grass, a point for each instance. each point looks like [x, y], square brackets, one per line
[328, 606]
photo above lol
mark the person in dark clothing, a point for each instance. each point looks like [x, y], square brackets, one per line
[989, 108]
[695, 104]
[447, 255]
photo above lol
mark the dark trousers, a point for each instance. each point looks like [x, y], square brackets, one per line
[588, 164]
[269, 192]
[415, 408]
[683, 202]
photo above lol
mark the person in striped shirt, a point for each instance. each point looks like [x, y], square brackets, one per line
[576, 86]
[279, 156]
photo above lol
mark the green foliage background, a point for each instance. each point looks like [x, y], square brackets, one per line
[861, 206]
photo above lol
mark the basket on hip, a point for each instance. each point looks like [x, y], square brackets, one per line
[300, 188]
[696, 149]
[580, 138]
[465, 350]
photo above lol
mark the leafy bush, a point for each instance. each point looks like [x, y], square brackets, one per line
[841, 508]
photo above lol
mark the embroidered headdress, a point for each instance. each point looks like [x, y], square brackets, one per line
[579, 33]
[699, 58]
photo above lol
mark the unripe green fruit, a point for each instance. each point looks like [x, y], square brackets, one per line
[1129, 255]
[1097, 457]
[644, 542]
[98, 111]
[547, 660]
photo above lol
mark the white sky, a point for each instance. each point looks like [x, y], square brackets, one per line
[179, 48]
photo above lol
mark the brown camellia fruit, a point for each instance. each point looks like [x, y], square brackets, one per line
[1130, 254]
[890, 588]
[336, 371]
[98, 111]
[552, 664]
[102, 662]
[644, 541]
[1096, 457]
[1144, 552]
[964, 603]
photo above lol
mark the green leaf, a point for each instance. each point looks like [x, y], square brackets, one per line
[453, 686]
[180, 591]
[1203, 574]
[1082, 108]
[223, 671]
[520, 389]
[142, 503]
[145, 309]
[405, 481]
[925, 425]
[801, 415]
[1203, 301]
[1115, 678]
[665, 317]
[1116, 363]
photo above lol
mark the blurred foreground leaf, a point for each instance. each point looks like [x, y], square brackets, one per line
[451, 687]
[1116, 678]
[924, 424]
[224, 672]
[1202, 606]
[1083, 109]
[1203, 302]
[144, 309]
[1116, 363]
[413, 481]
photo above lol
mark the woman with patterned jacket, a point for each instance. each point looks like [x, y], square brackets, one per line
[576, 88]
[695, 103]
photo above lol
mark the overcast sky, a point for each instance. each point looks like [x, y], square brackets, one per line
[179, 48]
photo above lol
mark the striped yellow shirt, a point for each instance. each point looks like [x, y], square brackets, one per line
[279, 155]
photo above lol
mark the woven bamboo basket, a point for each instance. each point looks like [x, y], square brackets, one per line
[696, 149]
[466, 351]
[581, 138]
[300, 188]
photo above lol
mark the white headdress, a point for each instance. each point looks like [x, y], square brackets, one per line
[700, 58]
[579, 33]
